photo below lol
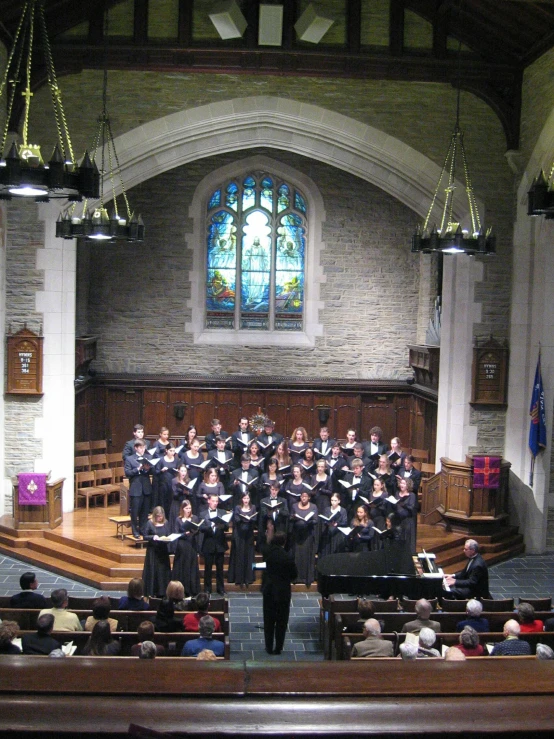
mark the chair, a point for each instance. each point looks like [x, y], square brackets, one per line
[454, 606]
[539, 604]
[421, 455]
[104, 479]
[100, 445]
[98, 461]
[82, 464]
[85, 486]
[82, 447]
[427, 470]
[118, 474]
[114, 459]
[503, 605]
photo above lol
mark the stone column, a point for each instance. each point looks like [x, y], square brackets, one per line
[6, 485]
[459, 312]
[532, 323]
[57, 304]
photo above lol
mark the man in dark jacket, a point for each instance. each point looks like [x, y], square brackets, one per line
[280, 572]
[28, 598]
[473, 580]
[42, 642]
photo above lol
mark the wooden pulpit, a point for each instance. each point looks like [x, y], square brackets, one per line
[36, 517]
[450, 495]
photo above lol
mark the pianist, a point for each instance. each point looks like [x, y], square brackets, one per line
[473, 580]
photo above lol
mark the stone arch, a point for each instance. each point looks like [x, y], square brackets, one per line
[279, 123]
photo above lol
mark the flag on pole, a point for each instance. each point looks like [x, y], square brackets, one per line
[537, 429]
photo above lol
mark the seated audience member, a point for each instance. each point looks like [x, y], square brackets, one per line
[8, 632]
[57, 654]
[423, 610]
[373, 644]
[474, 609]
[191, 620]
[469, 643]
[28, 598]
[512, 644]
[100, 642]
[427, 638]
[206, 628]
[206, 655]
[134, 600]
[408, 651]
[147, 650]
[454, 655]
[145, 633]
[64, 620]
[175, 592]
[100, 612]
[544, 652]
[165, 620]
[366, 610]
[526, 617]
[42, 642]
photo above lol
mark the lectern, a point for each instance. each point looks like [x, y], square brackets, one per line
[38, 517]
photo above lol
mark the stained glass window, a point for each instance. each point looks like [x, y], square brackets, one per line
[256, 251]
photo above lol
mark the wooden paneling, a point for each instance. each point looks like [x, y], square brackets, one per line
[276, 408]
[202, 410]
[154, 410]
[124, 410]
[228, 409]
[112, 411]
[178, 426]
[347, 415]
[300, 412]
[404, 406]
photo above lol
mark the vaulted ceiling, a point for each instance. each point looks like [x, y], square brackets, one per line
[372, 39]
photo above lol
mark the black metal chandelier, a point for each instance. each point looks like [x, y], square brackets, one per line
[23, 171]
[540, 198]
[450, 237]
[96, 224]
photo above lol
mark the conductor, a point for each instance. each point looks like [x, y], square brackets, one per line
[280, 572]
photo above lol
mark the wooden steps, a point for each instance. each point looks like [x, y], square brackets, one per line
[86, 548]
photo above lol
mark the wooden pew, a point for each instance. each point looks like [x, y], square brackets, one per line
[395, 621]
[127, 620]
[102, 696]
[349, 639]
[173, 642]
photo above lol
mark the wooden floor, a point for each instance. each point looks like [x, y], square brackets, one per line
[85, 547]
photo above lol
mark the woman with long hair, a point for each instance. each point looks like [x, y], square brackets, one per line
[304, 537]
[157, 570]
[360, 538]
[242, 544]
[298, 443]
[185, 563]
[331, 539]
[100, 642]
[165, 472]
[134, 600]
[406, 510]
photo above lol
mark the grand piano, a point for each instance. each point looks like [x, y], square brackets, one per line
[386, 572]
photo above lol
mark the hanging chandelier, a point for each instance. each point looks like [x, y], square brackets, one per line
[23, 171]
[450, 237]
[96, 224]
[540, 198]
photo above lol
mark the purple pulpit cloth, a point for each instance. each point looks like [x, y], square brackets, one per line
[486, 472]
[32, 488]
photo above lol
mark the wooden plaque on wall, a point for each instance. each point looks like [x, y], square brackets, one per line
[490, 374]
[25, 363]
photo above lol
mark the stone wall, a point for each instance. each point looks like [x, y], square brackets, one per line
[24, 237]
[138, 294]
[537, 102]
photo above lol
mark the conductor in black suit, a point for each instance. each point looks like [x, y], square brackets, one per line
[473, 580]
[137, 470]
[280, 572]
